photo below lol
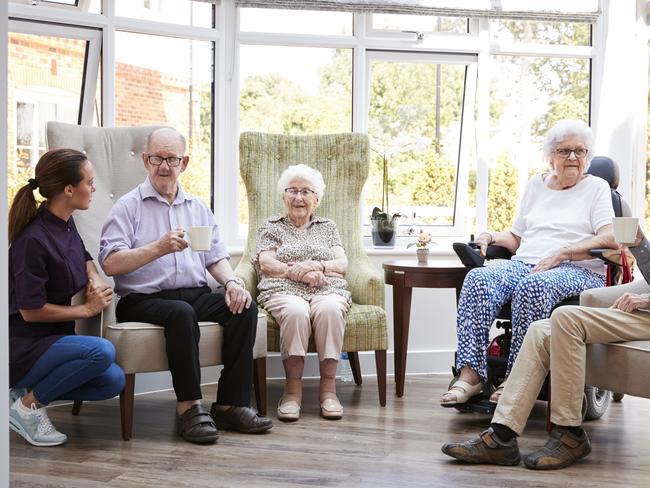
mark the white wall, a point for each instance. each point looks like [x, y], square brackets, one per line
[4, 350]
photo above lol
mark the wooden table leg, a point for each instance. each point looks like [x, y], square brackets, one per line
[401, 317]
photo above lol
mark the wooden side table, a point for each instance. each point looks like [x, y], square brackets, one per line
[405, 275]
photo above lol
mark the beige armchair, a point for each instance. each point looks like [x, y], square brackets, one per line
[343, 161]
[140, 347]
[619, 366]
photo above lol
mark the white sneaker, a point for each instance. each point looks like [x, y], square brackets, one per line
[15, 393]
[35, 426]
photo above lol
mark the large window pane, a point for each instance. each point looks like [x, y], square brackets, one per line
[45, 79]
[168, 81]
[185, 12]
[566, 33]
[419, 23]
[293, 90]
[528, 96]
[295, 21]
[415, 122]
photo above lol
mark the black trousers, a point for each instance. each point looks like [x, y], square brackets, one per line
[179, 312]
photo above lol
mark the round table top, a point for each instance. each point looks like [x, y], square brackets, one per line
[413, 264]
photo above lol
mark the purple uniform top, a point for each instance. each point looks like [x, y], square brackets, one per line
[47, 264]
[143, 216]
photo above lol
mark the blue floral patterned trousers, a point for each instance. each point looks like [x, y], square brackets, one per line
[486, 290]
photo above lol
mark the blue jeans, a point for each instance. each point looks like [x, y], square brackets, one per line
[75, 368]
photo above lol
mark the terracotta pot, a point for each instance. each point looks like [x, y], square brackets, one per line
[423, 255]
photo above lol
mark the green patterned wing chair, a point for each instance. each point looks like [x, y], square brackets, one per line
[343, 161]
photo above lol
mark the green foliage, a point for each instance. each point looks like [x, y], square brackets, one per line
[502, 195]
[436, 184]
[379, 214]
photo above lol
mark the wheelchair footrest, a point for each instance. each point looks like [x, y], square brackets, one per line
[478, 404]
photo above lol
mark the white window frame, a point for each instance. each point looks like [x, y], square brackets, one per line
[227, 37]
[466, 138]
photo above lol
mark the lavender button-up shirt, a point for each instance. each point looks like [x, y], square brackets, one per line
[143, 216]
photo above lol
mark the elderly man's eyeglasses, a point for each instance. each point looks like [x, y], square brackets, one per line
[172, 161]
[305, 192]
[566, 152]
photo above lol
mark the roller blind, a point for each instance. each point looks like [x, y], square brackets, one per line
[563, 10]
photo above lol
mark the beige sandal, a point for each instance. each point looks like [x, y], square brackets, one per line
[463, 391]
[496, 394]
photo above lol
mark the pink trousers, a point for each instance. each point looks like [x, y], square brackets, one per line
[325, 314]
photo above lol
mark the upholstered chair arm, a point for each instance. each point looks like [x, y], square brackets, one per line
[246, 271]
[365, 282]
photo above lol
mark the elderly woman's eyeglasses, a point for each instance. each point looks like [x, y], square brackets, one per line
[566, 152]
[172, 161]
[305, 192]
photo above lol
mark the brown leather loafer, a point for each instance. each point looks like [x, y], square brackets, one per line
[240, 419]
[487, 448]
[562, 449]
[196, 425]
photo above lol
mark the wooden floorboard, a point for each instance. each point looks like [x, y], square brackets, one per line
[398, 445]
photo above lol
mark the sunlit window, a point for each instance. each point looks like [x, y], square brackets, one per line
[295, 21]
[414, 121]
[45, 77]
[419, 23]
[293, 90]
[528, 31]
[168, 81]
[528, 96]
[172, 11]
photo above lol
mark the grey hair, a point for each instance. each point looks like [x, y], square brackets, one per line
[564, 129]
[302, 172]
[166, 132]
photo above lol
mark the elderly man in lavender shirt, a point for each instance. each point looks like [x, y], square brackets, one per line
[161, 281]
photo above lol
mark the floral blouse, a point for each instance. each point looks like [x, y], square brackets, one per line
[290, 243]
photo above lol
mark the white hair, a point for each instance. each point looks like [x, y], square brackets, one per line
[564, 129]
[302, 172]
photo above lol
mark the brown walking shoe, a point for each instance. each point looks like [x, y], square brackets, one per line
[240, 419]
[562, 449]
[487, 448]
[196, 425]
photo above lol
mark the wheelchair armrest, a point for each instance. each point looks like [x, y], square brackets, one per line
[497, 252]
[609, 256]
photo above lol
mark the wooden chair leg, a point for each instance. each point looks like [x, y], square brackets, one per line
[353, 357]
[259, 384]
[126, 406]
[380, 363]
[76, 407]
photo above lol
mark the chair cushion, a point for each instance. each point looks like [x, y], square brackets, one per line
[140, 347]
[619, 367]
[365, 330]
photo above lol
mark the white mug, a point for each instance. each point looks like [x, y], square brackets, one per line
[625, 229]
[200, 237]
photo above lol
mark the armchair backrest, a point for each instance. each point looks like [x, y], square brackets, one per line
[341, 158]
[116, 155]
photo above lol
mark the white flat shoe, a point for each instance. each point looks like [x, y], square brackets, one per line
[331, 409]
[289, 410]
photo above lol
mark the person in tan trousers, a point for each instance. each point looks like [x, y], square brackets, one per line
[558, 345]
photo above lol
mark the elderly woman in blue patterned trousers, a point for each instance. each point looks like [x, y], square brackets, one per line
[563, 214]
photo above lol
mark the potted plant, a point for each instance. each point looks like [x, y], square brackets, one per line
[422, 245]
[384, 225]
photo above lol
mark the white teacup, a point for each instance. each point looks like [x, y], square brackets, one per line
[625, 229]
[200, 237]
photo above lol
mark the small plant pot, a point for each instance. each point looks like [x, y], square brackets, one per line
[423, 255]
[383, 233]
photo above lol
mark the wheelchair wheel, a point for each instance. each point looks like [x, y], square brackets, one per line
[594, 402]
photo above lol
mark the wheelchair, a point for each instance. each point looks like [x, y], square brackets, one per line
[595, 400]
